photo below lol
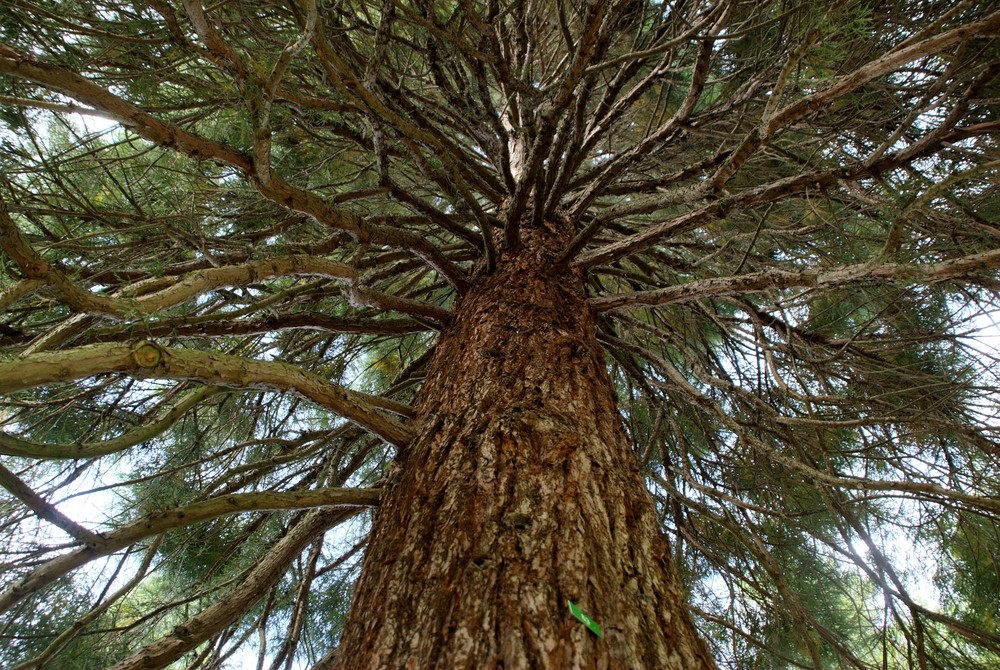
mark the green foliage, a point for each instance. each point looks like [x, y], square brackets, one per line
[971, 579]
[795, 435]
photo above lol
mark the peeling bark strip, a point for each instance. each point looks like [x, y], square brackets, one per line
[518, 494]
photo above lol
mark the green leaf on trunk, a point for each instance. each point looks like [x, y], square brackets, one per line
[584, 619]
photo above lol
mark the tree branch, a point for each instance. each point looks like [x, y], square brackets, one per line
[70, 633]
[785, 279]
[169, 135]
[80, 88]
[187, 286]
[160, 522]
[258, 581]
[15, 446]
[43, 509]
[147, 360]
[770, 124]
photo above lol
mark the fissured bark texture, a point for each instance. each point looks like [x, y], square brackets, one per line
[519, 494]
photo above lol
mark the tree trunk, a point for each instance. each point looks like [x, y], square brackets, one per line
[519, 494]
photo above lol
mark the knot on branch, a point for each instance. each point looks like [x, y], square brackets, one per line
[148, 354]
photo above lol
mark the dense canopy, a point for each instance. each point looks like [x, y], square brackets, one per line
[233, 231]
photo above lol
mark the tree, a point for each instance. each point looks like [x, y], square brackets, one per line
[547, 334]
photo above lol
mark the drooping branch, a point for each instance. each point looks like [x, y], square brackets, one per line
[261, 501]
[171, 519]
[221, 325]
[916, 489]
[73, 631]
[155, 130]
[55, 107]
[801, 184]
[229, 608]
[151, 361]
[682, 223]
[148, 297]
[11, 445]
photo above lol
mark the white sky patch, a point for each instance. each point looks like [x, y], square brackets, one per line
[97, 124]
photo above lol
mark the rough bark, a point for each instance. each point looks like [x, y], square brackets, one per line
[519, 494]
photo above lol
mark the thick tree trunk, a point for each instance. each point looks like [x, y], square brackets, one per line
[518, 495]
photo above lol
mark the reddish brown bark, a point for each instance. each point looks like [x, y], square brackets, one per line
[519, 494]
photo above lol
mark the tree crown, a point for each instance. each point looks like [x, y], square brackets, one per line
[232, 232]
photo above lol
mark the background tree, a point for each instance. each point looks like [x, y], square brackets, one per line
[596, 302]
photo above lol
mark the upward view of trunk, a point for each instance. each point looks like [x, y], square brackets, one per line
[269, 266]
[519, 495]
